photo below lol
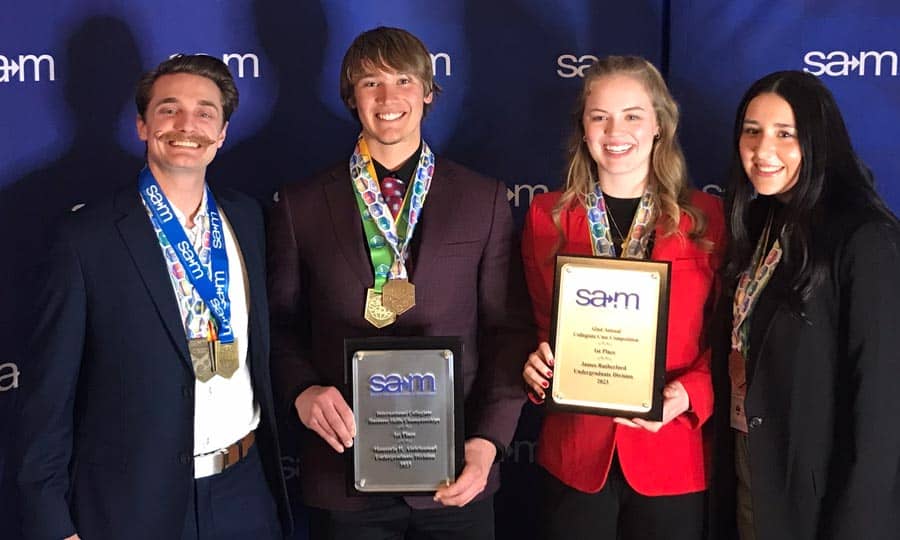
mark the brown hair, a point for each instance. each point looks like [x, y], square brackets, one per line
[195, 64]
[668, 171]
[390, 48]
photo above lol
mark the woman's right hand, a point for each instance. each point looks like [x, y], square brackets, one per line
[539, 370]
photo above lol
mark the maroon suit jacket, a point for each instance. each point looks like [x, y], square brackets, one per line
[469, 283]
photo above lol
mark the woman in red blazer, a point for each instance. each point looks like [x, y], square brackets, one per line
[618, 477]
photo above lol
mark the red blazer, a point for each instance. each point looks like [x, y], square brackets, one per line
[578, 448]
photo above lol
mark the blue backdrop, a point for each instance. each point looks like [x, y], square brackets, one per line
[510, 70]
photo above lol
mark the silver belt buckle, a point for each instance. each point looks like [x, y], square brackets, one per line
[209, 464]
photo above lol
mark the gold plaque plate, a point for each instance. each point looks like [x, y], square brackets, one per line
[609, 336]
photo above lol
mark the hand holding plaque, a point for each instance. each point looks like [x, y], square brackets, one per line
[675, 402]
[538, 371]
[608, 336]
[323, 410]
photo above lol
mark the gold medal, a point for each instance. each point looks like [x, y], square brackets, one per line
[398, 295]
[201, 358]
[226, 358]
[378, 315]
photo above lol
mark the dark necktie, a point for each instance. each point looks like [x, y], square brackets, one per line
[393, 189]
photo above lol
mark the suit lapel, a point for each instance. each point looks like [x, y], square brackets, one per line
[347, 224]
[771, 301]
[436, 213]
[137, 233]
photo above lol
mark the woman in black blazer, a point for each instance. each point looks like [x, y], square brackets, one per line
[807, 423]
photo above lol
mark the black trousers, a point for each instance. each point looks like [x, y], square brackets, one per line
[234, 504]
[618, 512]
[398, 521]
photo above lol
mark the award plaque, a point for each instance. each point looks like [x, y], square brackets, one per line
[608, 335]
[407, 399]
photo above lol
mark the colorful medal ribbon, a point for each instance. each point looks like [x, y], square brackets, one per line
[750, 285]
[388, 239]
[633, 247]
[211, 283]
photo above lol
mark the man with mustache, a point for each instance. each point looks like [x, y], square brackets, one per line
[444, 243]
[149, 413]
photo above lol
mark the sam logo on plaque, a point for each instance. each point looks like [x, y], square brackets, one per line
[394, 383]
[408, 412]
[603, 299]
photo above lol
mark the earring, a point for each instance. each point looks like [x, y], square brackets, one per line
[584, 138]
[656, 137]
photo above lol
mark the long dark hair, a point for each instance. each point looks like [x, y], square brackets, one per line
[832, 181]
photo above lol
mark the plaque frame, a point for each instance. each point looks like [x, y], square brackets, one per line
[425, 344]
[662, 270]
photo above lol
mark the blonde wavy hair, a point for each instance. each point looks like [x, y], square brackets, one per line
[668, 171]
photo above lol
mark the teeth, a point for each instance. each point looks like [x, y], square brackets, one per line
[617, 148]
[389, 116]
[768, 168]
[186, 144]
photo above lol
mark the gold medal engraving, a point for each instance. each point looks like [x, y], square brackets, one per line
[226, 355]
[201, 358]
[398, 295]
[378, 315]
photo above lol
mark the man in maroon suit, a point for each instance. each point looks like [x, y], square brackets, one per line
[348, 248]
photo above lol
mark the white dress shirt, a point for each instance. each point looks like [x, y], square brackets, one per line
[224, 409]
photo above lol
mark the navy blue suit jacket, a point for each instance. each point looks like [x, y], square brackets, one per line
[108, 414]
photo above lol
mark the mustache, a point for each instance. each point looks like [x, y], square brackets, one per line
[177, 136]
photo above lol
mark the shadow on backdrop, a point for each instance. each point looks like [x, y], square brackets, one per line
[92, 166]
[302, 136]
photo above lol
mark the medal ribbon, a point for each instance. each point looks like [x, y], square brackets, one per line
[750, 285]
[633, 247]
[388, 239]
[210, 283]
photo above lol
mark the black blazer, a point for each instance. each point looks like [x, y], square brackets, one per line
[108, 412]
[822, 404]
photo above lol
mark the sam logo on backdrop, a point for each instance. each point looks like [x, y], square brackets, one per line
[522, 194]
[845, 64]
[9, 376]
[241, 64]
[441, 59]
[573, 66]
[27, 67]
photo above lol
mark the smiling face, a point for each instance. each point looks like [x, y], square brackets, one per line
[390, 106]
[183, 125]
[620, 125]
[769, 148]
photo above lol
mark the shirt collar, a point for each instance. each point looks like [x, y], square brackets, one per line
[404, 172]
[201, 212]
